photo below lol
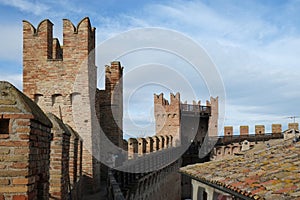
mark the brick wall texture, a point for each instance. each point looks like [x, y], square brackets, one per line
[62, 81]
[25, 148]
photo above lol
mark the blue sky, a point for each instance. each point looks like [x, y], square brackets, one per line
[254, 44]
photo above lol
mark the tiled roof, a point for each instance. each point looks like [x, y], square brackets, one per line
[268, 173]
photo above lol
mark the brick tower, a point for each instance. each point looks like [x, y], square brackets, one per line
[111, 103]
[62, 80]
[167, 116]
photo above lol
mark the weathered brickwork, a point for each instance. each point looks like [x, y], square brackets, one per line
[59, 159]
[24, 147]
[110, 102]
[293, 126]
[230, 144]
[151, 169]
[185, 122]
[276, 128]
[259, 129]
[62, 81]
[214, 117]
[158, 185]
[244, 130]
[75, 164]
[167, 116]
[228, 130]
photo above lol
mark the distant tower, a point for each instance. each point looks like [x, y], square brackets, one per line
[111, 104]
[213, 119]
[167, 116]
[62, 80]
[185, 122]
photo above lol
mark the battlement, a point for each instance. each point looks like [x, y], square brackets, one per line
[142, 146]
[39, 44]
[82, 26]
[160, 100]
[259, 129]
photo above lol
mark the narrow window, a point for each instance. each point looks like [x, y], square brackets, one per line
[4, 126]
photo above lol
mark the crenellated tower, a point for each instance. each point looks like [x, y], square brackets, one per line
[111, 103]
[61, 79]
[185, 122]
[214, 116]
[167, 116]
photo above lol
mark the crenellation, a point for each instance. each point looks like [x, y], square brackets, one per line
[276, 128]
[141, 146]
[156, 143]
[228, 130]
[149, 144]
[162, 141]
[244, 130]
[293, 126]
[259, 129]
[132, 148]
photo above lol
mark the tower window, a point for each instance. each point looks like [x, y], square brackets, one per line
[4, 126]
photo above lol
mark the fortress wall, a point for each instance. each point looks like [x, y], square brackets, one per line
[163, 184]
[138, 147]
[259, 129]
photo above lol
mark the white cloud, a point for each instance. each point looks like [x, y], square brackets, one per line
[258, 61]
[11, 42]
[27, 6]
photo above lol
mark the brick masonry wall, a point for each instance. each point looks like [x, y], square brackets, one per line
[162, 184]
[213, 119]
[62, 80]
[75, 167]
[59, 159]
[111, 104]
[167, 116]
[25, 148]
[169, 120]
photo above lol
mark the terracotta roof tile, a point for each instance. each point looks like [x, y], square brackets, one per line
[268, 173]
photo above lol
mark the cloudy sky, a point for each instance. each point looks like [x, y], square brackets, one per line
[254, 44]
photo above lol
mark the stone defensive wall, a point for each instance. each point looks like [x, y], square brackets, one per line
[41, 157]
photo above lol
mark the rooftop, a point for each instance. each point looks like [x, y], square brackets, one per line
[261, 173]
